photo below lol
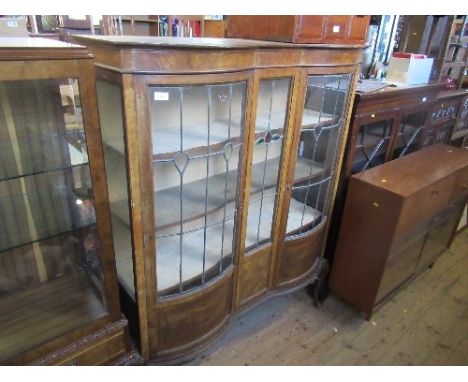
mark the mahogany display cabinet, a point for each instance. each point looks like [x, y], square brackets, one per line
[59, 301]
[398, 219]
[385, 124]
[221, 159]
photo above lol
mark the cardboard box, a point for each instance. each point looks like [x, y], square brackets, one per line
[13, 27]
[412, 70]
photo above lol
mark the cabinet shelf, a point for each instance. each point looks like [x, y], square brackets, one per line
[313, 119]
[25, 175]
[168, 256]
[166, 142]
[46, 153]
[68, 213]
[47, 311]
[194, 208]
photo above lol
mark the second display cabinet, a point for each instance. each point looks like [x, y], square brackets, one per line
[221, 158]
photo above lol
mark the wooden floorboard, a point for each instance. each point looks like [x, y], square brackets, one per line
[426, 323]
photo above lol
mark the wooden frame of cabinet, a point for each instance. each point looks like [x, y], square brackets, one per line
[145, 71]
[102, 340]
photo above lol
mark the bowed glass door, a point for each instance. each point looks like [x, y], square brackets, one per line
[321, 128]
[197, 133]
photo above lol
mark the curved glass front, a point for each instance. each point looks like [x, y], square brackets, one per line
[197, 134]
[322, 125]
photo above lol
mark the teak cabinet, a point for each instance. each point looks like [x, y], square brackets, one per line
[59, 299]
[221, 161]
[333, 29]
[398, 218]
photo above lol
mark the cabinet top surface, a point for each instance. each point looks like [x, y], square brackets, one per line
[409, 174]
[452, 93]
[34, 43]
[397, 90]
[31, 48]
[131, 42]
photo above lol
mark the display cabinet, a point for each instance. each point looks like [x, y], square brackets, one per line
[221, 160]
[58, 285]
[398, 219]
[388, 124]
[385, 124]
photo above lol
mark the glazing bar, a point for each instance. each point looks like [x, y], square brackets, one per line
[181, 204]
[208, 88]
[265, 161]
[226, 182]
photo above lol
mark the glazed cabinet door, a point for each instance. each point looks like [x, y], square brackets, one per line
[314, 169]
[371, 142]
[197, 136]
[52, 279]
[269, 128]
[411, 134]
[197, 130]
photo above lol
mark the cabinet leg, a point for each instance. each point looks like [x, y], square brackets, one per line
[319, 288]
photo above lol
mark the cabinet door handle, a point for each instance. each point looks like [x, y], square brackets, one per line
[435, 192]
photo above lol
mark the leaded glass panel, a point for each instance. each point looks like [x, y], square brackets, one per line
[197, 143]
[322, 125]
[409, 134]
[270, 125]
[371, 145]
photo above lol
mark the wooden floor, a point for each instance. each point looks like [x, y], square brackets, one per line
[426, 323]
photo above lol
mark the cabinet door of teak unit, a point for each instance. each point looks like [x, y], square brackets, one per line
[58, 287]
[398, 218]
[221, 160]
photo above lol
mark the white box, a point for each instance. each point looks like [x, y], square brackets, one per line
[409, 71]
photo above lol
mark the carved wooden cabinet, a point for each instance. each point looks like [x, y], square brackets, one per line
[58, 287]
[398, 218]
[221, 161]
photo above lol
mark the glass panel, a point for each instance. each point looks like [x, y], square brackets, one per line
[112, 130]
[440, 234]
[197, 143]
[326, 99]
[51, 277]
[409, 134]
[272, 106]
[371, 145]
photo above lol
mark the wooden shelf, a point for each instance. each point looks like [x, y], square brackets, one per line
[53, 223]
[194, 203]
[312, 118]
[167, 249]
[31, 317]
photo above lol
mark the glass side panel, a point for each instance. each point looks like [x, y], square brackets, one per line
[112, 130]
[322, 125]
[371, 145]
[197, 134]
[272, 106]
[409, 134]
[51, 278]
